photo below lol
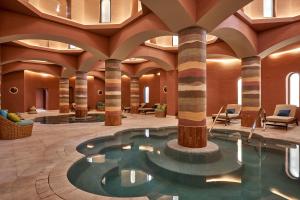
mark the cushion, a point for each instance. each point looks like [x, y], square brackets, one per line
[13, 117]
[25, 122]
[230, 111]
[280, 119]
[284, 113]
[3, 113]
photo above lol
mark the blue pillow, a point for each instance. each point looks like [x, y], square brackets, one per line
[230, 111]
[3, 113]
[284, 113]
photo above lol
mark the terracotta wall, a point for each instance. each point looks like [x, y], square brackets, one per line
[34, 81]
[125, 90]
[153, 82]
[95, 84]
[172, 92]
[13, 102]
[274, 73]
[221, 85]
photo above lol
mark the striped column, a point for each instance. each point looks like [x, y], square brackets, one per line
[134, 94]
[192, 88]
[251, 89]
[81, 94]
[64, 105]
[112, 93]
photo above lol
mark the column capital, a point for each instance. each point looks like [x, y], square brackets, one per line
[192, 29]
[251, 58]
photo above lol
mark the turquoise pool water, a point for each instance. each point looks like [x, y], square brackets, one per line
[129, 164]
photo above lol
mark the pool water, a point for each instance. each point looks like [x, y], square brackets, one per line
[134, 163]
[70, 118]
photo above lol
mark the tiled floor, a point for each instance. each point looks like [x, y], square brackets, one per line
[35, 167]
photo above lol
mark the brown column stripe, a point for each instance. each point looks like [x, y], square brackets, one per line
[64, 95]
[112, 92]
[81, 94]
[134, 94]
[251, 83]
[192, 87]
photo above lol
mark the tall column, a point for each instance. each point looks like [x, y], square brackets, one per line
[251, 89]
[64, 105]
[112, 93]
[192, 88]
[134, 94]
[81, 94]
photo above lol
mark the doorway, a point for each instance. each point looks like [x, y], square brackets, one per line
[41, 99]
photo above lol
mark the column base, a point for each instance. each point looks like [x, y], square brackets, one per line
[81, 112]
[192, 136]
[64, 109]
[134, 109]
[113, 118]
[248, 118]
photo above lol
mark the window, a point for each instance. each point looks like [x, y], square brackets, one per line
[58, 8]
[175, 40]
[146, 94]
[239, 85]
[268, 8]
[105, 11]
[293, 89]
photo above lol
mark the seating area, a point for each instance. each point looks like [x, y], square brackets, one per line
[283, 116]
[232, 112]
[12, 126]
[160, 100]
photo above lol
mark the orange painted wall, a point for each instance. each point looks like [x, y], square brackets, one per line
[221, 85]
[13, 102]
[153, 82]
[33, 82]
[125, 90]
[274, 73]
[172, 93]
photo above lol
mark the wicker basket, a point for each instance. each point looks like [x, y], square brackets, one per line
[10, 130]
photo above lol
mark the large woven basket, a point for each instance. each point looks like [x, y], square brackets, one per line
[10, 130]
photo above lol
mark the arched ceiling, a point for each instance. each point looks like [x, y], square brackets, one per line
[220, 18]
[54, 70]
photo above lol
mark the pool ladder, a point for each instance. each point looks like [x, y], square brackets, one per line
[260, 115]
[214, 122]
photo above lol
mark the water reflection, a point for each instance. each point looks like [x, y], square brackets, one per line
[131, 178]
[129, 170]
[292, 167]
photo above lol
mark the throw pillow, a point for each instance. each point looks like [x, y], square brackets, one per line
[284, 113]
[13, 117]
[230, 111]
[3, 113]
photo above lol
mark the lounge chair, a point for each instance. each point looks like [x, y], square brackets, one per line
[141, 107]
[284, 115]
[10, 130]
[147, 110]
[232, 111]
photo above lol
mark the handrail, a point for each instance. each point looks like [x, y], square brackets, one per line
[214, 122]
[259, 115]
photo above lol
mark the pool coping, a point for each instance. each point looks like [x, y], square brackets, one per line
[53, 184]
